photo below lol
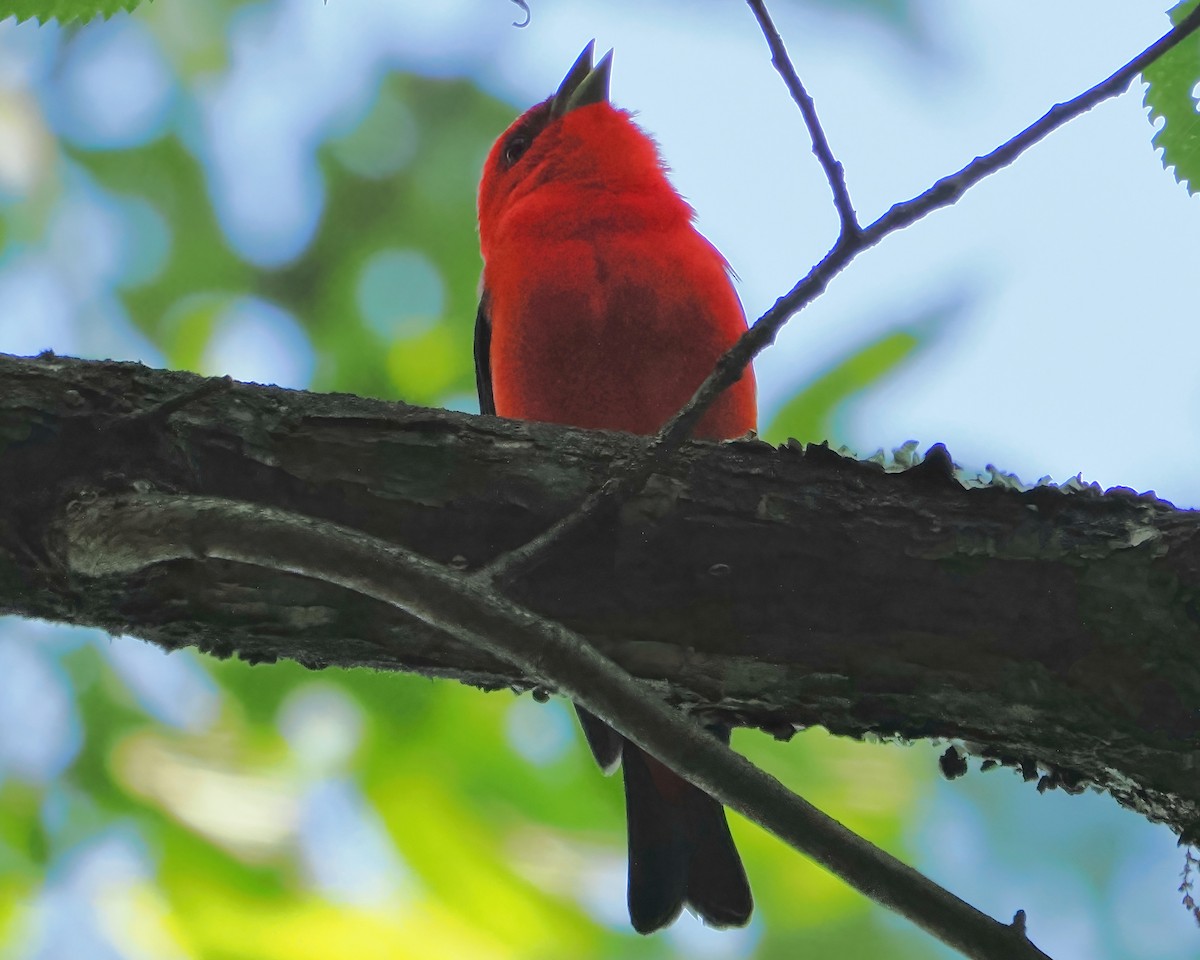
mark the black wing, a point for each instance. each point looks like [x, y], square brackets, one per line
[483, 357]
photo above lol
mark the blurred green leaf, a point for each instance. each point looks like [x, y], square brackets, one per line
[810, 415]
[65, 11]
[23, 845]
[1170, 84]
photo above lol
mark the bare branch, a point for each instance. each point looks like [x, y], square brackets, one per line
[834, 172]
[949, 189]
[511, 565]
[119, 535]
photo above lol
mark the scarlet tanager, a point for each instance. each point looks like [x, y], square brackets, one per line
[603, 307]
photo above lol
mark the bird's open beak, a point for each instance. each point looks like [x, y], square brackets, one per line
[584, 84]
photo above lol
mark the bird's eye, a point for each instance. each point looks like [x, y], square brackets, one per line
[515, 149]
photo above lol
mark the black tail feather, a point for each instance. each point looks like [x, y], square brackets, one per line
[717, 889]
[680, 851]
[658, 848]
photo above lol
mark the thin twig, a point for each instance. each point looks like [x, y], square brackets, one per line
[762, 333]
[116, 536]
[520, 560]
[168, 408]
[834, 172]
[948, 190]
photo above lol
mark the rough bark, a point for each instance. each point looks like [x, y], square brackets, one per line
[1051, 629]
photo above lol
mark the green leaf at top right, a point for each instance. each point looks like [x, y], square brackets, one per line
[1171, 83]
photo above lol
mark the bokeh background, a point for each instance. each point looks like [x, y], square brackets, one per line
[284, 191]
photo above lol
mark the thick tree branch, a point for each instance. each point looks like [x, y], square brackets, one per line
[1057, 632]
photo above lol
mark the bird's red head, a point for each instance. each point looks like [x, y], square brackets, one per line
[575, 141]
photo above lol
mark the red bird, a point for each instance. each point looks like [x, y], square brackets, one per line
[603, 307]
